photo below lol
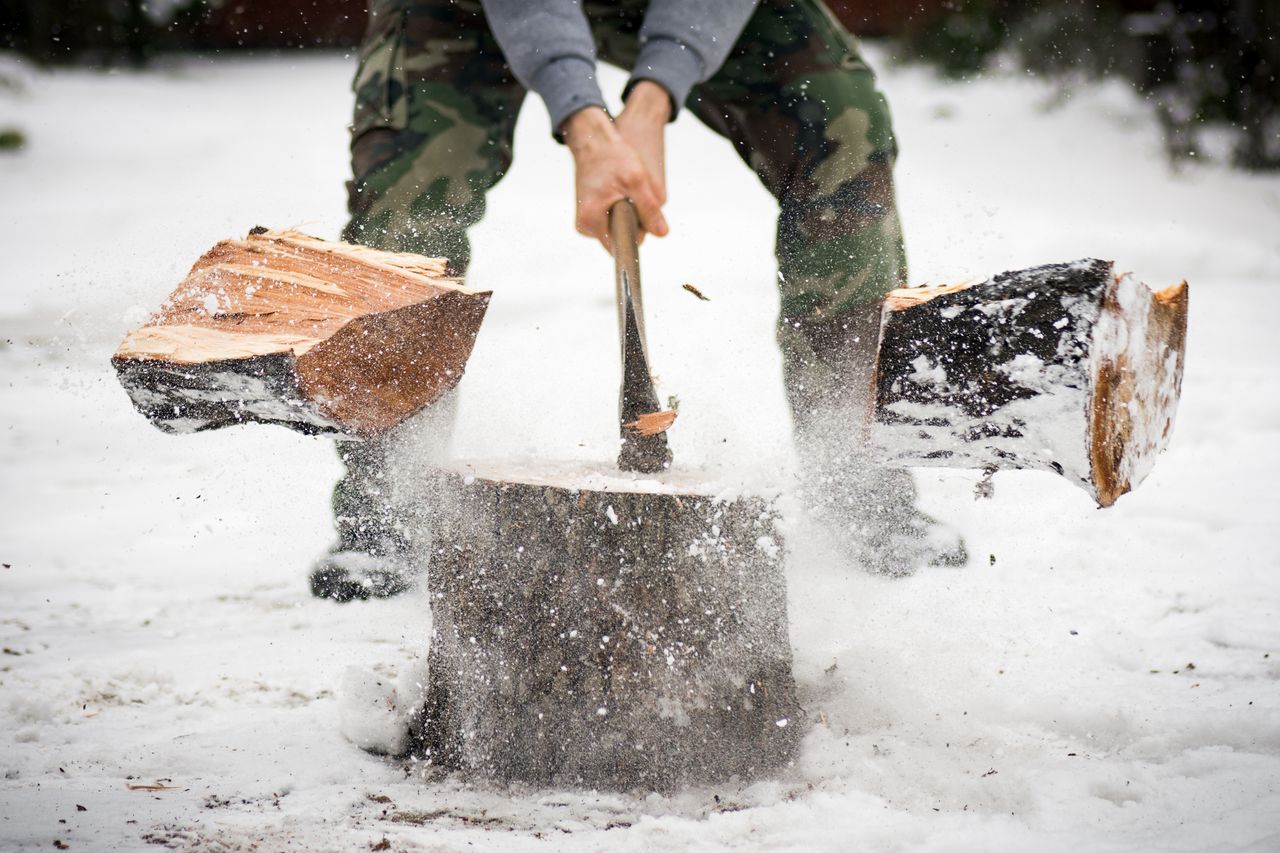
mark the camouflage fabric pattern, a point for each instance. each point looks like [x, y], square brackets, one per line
[436, 108]
[802, 109]
[435, 114]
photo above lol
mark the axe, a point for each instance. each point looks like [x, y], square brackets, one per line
[641, 419]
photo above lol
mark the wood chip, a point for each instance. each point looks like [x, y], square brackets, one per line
[152, 787]
[652, 423]
[696, 292]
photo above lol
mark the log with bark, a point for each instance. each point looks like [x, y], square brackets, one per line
[1068, 368]
[592, 629]
[315, 335]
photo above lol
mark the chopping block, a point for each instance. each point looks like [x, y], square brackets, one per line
[599, 629]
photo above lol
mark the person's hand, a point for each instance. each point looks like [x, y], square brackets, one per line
[643, 123]
[608, 169]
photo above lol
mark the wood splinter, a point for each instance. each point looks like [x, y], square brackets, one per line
[652, 423]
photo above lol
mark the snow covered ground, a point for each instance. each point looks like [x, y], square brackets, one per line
[1093, 680]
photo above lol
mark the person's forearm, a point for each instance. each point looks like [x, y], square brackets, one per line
[550, 50]
[587, 128]
[648, 100]
[642, 124]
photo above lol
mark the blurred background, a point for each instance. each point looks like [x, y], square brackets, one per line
[1202, 64]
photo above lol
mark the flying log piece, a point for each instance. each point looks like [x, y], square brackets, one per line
[1068, 368]
[318, 336]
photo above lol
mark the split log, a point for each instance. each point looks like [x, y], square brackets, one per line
[1068, 368]
[318, 336]
[597, 630]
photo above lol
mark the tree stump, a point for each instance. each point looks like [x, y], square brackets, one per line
[598, 630]
[1067, 368]
[318, 336]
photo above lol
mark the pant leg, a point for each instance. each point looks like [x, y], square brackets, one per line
[362, 509]
[435, 114]
[801, 107]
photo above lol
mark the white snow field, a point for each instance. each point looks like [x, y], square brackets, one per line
[1093, 680]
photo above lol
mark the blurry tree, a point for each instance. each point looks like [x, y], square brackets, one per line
[1217, 61]
[961, 41]
[94, 31]
[11, 139]
[1198, 61]
[216, 24]
[883, 18]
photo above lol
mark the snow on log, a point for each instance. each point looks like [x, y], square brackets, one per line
[592, 629]
[1068, 368]
[318, 336]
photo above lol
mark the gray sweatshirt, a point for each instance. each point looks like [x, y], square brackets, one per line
[549, 47]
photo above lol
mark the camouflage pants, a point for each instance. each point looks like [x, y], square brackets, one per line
[435, 116]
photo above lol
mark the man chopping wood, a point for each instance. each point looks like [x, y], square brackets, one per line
[438, 90]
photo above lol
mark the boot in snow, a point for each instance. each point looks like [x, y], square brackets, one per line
[358, 575]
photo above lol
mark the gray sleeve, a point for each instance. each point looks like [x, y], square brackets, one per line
[550, 50]
[684, 42]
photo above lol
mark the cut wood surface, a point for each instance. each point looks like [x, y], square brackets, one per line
[1069, 368]
[320, 336]
[594, 629]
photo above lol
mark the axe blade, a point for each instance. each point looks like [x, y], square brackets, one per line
[643, 453]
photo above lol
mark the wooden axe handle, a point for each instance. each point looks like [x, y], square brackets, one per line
[624, 234]
[637, 397]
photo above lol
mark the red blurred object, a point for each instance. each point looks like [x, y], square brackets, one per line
[884, 17]
[298, 23]
[283, 23]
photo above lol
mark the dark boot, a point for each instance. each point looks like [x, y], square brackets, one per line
[350, 575]
[373, 557]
